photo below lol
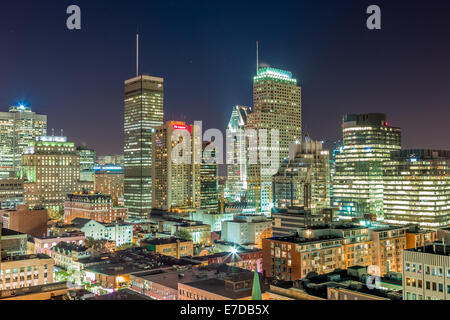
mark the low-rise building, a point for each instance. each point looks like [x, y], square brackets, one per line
[320, 249]
[13, 243]
[172, 247]
[45, 244]
[230, 284]
[285, 222]
[25, 271]
[120, 233]
[65, 254]
[25, 220]
[388, 245]
[93, 206]
[426, 272]
[247, 230]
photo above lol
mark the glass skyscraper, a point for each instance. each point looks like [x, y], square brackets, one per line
[358, 178]
[144, 111]
[236, 185]
[276, 105]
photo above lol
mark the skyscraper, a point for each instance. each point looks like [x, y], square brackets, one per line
[276, 105]
[358, 181]
[144, 111]
[208, 183]
[236, 184]
[173, 183]
[18, 128]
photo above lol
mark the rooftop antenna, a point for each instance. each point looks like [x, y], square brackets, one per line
[257, 57]
[137, 54]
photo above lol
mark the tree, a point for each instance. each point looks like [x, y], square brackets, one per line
[182, 234]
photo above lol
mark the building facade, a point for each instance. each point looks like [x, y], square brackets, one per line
[417, 188]
[22, 219]
[236, 184]
[120, 233]
[426, 273]
[18, 128]
[247, 230]
[276, 106]
[87, 163]
[11, 193]
[92, 206]
[144, 112]
[51, 170]
[110, 182]
[358, 181]
[304, 178]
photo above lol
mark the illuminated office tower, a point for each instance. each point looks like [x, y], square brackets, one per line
[109, 180]
[208, 185]
[144, 111]
[276, 105]
[172, 181]
[417, 188]
[18, 128]
[358, 180]
[87, 163]
[51, 170]
[236, 184]
[304, 178]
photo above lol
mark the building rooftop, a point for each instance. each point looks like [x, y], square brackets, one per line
[131, 261]
[437, 248]
[162, 241]
[300, 240]
[39, 256]
[9, 232]
[123, 294]
[220, 284]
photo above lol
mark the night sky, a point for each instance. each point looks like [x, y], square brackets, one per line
[205, 50]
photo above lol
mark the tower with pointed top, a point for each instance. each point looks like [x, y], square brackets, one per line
[143, 113]
[256, 290]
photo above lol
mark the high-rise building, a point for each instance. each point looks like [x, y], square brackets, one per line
[109, 180]
[51, 170]
[358, 180]
[144, 112]
[236, 184]
[276, 105]
[417, 188]
[87, 163]
[173, 182]
[18, 128]
[304, 178]
[207, 185]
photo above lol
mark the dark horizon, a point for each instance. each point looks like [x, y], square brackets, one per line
[205, 51]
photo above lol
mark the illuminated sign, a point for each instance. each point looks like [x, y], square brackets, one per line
[176, 127]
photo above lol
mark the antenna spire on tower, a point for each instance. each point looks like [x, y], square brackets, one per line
[137, 54]
[257, 57]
